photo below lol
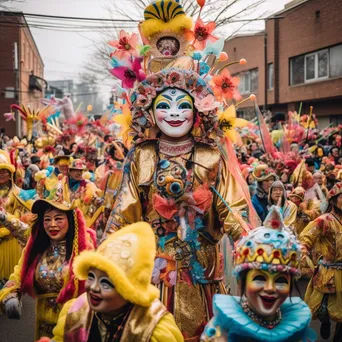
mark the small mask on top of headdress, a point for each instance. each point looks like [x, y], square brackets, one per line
[163, 29]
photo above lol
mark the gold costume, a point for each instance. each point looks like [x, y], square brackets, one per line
[108, 180]
[85, 199]
[144, 324]
[304, 216]
[189, 300]
[289, 213]
[325, 235]
[10, 249]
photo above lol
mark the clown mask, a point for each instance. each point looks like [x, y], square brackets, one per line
[101, 293]
[266, 292]
[174, 112]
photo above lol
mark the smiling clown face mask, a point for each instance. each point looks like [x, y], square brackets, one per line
[174, 112]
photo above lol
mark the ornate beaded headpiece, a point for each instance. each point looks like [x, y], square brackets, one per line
[271, 247]
[189, 81]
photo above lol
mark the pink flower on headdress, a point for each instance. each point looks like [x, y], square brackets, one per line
[225, 86]
[78, 124]
[206, 104]
[174, 78]
[157, 81]
[129, 74]
[125, 46]
[201, 33]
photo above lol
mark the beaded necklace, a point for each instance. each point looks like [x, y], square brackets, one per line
[257, 319]
[176, 148]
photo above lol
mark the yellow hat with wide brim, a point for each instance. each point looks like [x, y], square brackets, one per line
[127, 256]
[5, 162]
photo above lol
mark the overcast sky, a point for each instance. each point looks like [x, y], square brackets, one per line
[66, 53]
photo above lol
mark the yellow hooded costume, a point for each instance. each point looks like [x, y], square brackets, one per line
[10, 249]
[127, 257]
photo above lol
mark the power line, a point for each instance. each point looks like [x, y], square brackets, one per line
[54, 17]
[74, 18]
[63, 28]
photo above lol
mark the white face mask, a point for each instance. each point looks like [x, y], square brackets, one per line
[174, 112]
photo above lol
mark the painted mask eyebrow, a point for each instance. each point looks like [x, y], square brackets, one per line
[91, 275]
[106, 281]
[166, 96]
[180, 97]
[163, 98]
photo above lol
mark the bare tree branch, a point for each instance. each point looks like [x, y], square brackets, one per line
[243, 25]
[225, 9]
[223, 12]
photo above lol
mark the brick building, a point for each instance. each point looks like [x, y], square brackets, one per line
[298, 58]
[21, 69]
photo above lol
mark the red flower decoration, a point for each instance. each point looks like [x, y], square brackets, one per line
[225, 86]
[201, 33]
[78, 124]
[49, 149]
[275, 224]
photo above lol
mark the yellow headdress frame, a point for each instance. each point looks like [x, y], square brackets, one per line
[162, 16]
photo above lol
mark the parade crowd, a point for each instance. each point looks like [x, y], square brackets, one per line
[170, 218]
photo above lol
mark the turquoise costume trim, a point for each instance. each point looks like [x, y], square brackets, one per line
[26, 195]
[231, 321]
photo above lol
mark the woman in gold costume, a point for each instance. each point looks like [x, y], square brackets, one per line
[307, 209]
[44, 270]
[324, 292]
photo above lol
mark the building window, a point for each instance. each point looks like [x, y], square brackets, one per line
[246, 113]
[248, 81]
[316, 66]
[335, 61]
[254, 80]
[245, 83]
[297, 70]
[270, 76]
[23, 54]
[335, 120]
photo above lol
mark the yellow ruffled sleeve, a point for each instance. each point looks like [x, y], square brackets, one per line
[58, 331]
[167, 331]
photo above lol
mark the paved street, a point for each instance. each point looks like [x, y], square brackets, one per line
[19, 331]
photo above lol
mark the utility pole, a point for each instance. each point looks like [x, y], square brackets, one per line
[17, 85]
